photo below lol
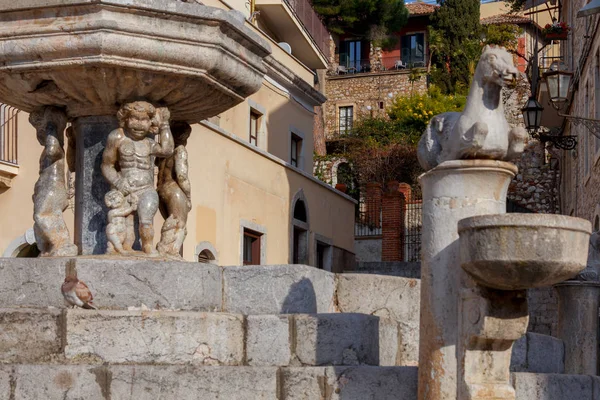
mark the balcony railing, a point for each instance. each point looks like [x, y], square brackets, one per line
[311, 21]
[8, 134]
[383, 64]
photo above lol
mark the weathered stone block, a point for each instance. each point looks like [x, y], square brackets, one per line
[53, 382]
[277, 289]
[32, 282]
[29, 334]
[304, 383]
[156, 337]
[389, 343]
[119, 284]
[337, 339]
[268, 340]
[381, 383]
[530, 386]
[193, 383]
[389, 297]
[538, 353]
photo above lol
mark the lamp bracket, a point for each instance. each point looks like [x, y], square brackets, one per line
[593, 125]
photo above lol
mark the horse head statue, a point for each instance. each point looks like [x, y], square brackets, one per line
[481, 130]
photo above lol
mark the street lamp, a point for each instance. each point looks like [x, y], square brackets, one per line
[532, 115]
[558, 80]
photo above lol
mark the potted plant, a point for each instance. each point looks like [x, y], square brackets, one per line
[556, 31]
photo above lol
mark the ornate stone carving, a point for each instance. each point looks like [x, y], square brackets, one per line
[128, 165]
[175, 193]
[481, 130]
[50, 193]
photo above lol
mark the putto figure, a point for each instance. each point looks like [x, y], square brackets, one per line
[128, 160]
[120, 228]
[175, 193]
[481, 130]
[50, 193]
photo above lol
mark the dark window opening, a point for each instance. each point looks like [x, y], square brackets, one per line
[597, 224]
[254, 127]
[412, 49]
[296, 150]
[29, 251]
[321, 250]
[300, 243]
[300, 211]
[206, 257]
[251, 247]
[381, 105]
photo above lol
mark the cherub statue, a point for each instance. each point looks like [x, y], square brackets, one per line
[128, 160]
[175, 193]
[481, 131]
[50, 192]
[119, 226]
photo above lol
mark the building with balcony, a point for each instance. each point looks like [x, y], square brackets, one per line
[254, 197]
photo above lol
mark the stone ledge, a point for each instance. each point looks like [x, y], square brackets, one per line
[150, 382]
[539, 354]
[529, 386]
[184, 337]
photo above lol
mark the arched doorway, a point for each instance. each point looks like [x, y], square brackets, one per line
[299, 253]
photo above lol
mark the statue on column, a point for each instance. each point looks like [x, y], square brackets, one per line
[174, 191]
[50, 193]
[128, 165]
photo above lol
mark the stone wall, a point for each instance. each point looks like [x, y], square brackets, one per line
[543, 311]
[362, 90]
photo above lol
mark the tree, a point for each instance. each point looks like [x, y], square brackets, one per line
[360, 18]
[458, 23]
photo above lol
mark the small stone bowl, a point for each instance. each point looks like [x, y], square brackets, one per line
[522, 251]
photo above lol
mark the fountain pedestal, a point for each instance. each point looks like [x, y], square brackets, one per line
[578, 303]
[452, 191]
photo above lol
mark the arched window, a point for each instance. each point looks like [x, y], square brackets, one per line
[23, 246]
[206, 253]
[300, 211]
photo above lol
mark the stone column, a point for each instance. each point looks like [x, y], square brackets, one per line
[90, 186]
[451, 191]
[578, 325]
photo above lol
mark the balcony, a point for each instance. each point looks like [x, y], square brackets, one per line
[296, 23]
[381, 65]
[9, 166]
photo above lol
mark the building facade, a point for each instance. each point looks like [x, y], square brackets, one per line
[255, 200]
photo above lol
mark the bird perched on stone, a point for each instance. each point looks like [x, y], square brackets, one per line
[76, 293]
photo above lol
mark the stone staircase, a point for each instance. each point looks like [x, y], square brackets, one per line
[177, 330]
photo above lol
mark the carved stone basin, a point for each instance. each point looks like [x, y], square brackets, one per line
[521, 251]
[90, 56]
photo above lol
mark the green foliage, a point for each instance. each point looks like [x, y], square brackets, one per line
[506, 35]
[412, 114]
[457, 22]
[359, 17]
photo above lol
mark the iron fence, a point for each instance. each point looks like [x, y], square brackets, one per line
[313, 24]
[8, 134]
[369, 223]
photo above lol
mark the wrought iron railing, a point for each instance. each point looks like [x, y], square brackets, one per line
[313, 24]
[362, 66]
[8, 134]
[369, 222]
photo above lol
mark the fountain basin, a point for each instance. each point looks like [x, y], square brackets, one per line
[522, 251]
[91, 56]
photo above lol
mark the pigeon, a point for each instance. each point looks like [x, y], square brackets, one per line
[76, 293]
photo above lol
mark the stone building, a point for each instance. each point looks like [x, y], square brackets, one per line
[250, 167]
[580, 186]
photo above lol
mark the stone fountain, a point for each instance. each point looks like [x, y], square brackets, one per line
[471, 316]
[88, 58]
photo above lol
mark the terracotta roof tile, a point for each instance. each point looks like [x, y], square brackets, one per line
[420, 8]
[506, 19]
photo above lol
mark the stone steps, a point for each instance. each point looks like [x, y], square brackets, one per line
[160, 382]
[186, 337]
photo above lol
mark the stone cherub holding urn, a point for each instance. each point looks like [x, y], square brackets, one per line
[128, 165]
